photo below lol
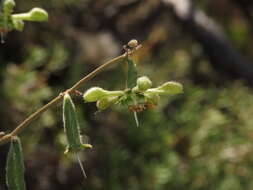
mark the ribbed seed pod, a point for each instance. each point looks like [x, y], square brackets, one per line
[15, 166]
[71, 125]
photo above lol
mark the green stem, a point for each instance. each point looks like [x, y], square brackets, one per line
[115, 93]
[22, 16]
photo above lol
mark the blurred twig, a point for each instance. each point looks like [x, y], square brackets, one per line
[246, 7]
[221, 53]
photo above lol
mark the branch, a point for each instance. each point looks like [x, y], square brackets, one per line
[6, 138]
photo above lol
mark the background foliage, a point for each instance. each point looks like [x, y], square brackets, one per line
[201, 139]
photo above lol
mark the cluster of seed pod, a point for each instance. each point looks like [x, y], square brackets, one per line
[139, 98]
[9, 21]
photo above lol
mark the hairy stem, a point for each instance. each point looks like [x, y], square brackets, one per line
[6, 138]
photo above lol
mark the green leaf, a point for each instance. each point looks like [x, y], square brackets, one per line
[15, 166]
[131, 74]
[71, 126]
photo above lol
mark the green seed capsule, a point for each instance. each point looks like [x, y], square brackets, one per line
[38, 14]
[94, 94]
[171, 88]
[144, 83]
[15, 166]
[71, 126]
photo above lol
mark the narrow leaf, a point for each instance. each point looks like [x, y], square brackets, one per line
[131, 74]
[71, 125]
[15, 166]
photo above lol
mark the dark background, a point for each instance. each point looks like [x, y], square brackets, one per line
[201, 139]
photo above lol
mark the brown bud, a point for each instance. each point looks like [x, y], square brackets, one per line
[132, 43]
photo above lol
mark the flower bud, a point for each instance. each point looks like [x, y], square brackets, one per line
[18, 24]
[38, 14]
[94, 94]
[132, 43]
[106, 102]
[2, 134]
[143, 83]
[8, 6]
[135, 89]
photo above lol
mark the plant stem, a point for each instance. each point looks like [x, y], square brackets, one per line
[22, 16]
[6, 138]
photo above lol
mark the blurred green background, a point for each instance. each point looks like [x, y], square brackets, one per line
[201, 139]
